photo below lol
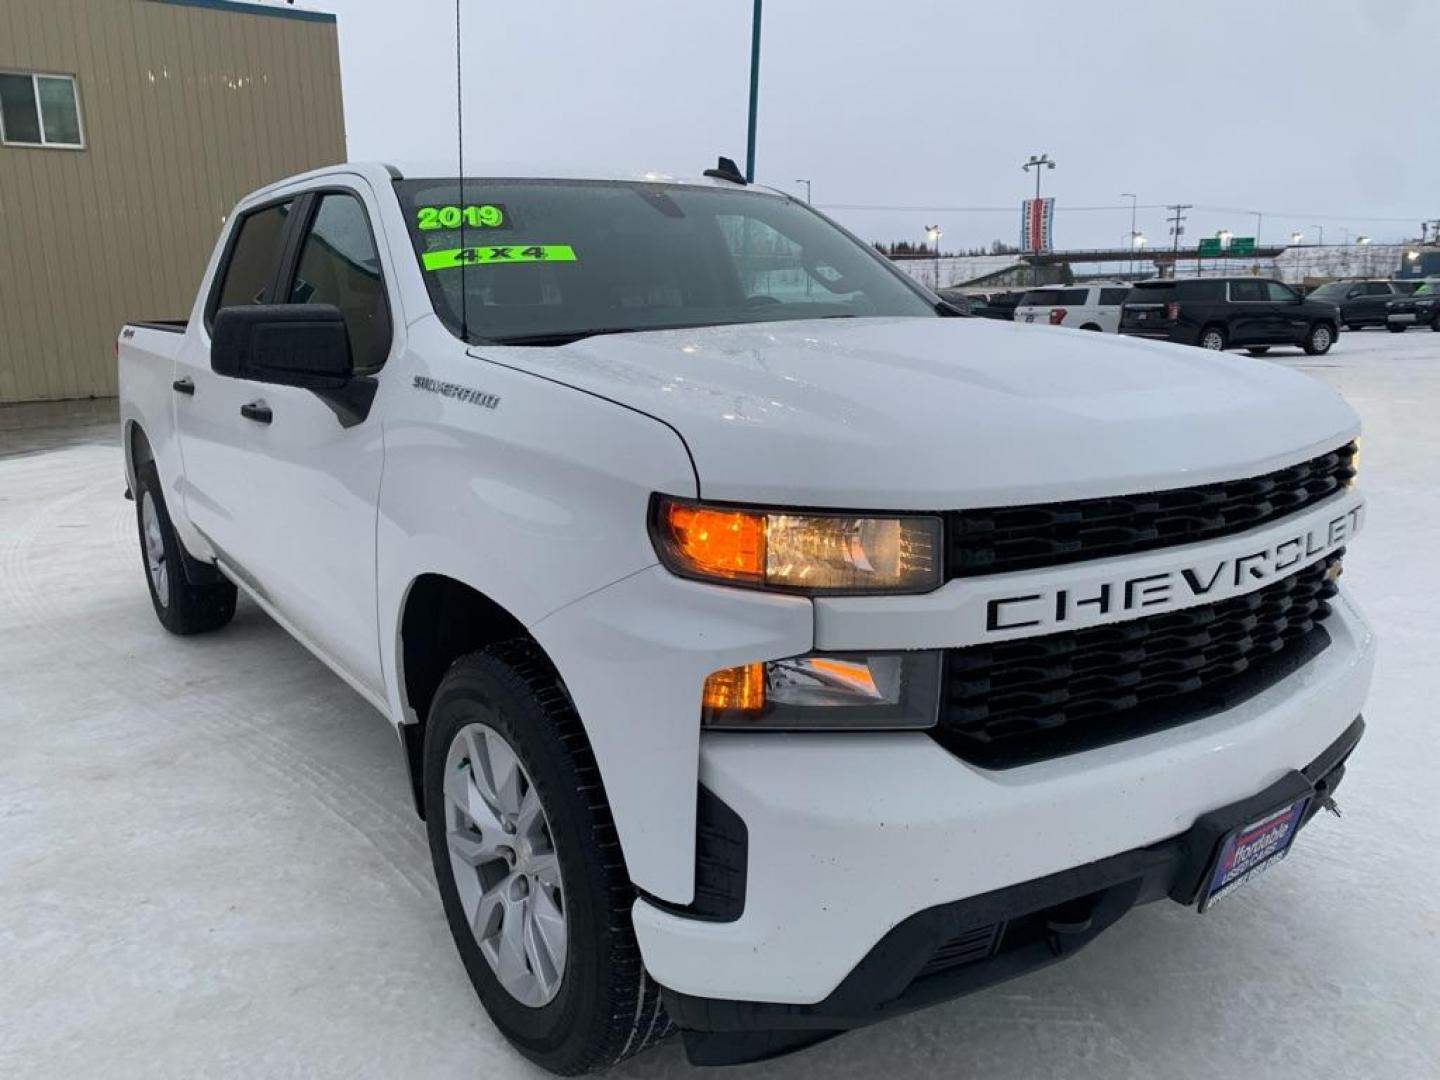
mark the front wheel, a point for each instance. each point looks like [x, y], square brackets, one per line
[182, 608]
[529, 865]
[1319, 340]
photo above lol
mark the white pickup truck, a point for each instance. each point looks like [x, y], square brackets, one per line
[772, 652]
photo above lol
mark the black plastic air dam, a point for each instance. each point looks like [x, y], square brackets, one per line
[1032, 924]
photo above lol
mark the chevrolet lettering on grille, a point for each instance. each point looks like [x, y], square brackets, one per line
[1091, 600]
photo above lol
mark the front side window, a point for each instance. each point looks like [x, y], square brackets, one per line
[339, 265]
[1278, 293]
[254, 258]
[544, 261]
[39, 110]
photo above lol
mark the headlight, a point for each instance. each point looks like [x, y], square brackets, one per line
[809, 553]
[826, 692]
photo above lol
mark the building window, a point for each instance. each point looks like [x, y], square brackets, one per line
[39, 110]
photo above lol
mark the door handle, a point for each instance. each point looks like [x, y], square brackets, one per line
[257, 411]
[183, 386]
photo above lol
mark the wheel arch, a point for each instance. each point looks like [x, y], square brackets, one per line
[137, 451]
[441, 619]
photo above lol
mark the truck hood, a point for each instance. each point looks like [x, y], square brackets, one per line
[931, 414]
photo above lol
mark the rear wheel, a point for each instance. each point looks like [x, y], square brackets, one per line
[1435, 324]
[529, 865]
[1258, 350]
[1212, 337]
[181, 607]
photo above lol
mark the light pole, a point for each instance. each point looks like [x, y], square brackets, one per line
[1259, 217]
[1320, 232]
[1134, 203]
[932, 233]
[1043, 161]
[807, 188]
[1364, 242]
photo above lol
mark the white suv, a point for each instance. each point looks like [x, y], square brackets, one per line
[1095, 306]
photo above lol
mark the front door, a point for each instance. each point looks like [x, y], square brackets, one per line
[316, 478]
[1250, 313]
[1288, 315]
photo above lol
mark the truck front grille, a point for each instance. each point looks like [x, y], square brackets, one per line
[1002, 539]
[1032, 698]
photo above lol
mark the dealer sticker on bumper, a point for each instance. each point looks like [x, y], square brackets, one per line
[1252, 849]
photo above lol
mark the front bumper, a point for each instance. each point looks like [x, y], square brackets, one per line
[851, 835]
[964, 946]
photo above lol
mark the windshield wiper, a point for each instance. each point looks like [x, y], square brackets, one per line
[560, 337]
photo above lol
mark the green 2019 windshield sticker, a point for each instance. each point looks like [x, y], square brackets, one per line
[475, 216]
[502, 253]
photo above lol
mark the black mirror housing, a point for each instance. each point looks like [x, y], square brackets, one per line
[304, 345]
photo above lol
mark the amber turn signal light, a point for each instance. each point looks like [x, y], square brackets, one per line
[736, 689]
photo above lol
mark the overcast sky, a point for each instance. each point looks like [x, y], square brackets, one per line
[1316, 113]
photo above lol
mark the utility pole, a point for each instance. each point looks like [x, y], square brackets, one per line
[1259, 218]
[754, 93]
[1177, 230]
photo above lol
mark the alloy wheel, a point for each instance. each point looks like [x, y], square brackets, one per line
[507, 873]
[155, 563]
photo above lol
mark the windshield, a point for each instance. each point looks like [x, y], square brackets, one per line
[1427, 288]
[546, 261]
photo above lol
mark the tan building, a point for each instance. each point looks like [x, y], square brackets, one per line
[128, 128]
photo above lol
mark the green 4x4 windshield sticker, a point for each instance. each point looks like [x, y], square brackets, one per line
[475, 216]
[500, 253]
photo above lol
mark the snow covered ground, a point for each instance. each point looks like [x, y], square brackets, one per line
[209, 865]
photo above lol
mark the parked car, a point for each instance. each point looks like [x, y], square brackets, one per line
[1230, 313]
[1420, 308]
[1362, 303]
[1000, 305]
[769, 655]
[1093, 306]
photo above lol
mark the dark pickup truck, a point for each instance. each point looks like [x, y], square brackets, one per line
[1420, 308]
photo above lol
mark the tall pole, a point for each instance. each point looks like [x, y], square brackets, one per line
[754, 93]
[1042, 161]
[1177, 230]
[1259, 217]
[1134, 201]
[807, 188]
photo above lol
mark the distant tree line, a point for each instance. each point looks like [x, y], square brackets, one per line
[902, 248]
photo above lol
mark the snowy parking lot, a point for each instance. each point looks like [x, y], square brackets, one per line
[209, 864]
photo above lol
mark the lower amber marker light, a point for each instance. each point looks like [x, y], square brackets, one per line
[736, 689]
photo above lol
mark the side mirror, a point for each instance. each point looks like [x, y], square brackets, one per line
[304, 345]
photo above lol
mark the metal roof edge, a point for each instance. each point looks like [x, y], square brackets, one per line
[242, 7]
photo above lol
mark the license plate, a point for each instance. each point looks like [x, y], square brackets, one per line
[1029, 318]
[1141, 316]
[1251, 850]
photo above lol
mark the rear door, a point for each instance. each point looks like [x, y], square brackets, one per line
[213, 434]
[1252, 317]
[1107, 314]
[317, 472]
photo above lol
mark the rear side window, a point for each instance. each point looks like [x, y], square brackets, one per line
[1055, 297]
[339, 265]
[253, 259]
[1111, 297]
[1248, 292]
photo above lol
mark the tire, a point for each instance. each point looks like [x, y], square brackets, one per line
[600, 1006]
[1258, 350]
[1212, 338]
[1090, 326]
[182, 608]
[1435, 324]
[1395, 328]
[1319, 339]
